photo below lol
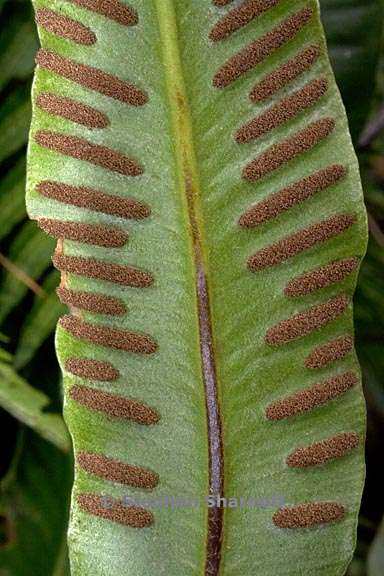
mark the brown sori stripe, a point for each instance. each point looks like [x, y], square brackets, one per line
[329, 352]
[323, 451]
[81, 232]
[294, 194]
[261, 48]
[115, 511]
[92, 302]
[239, 17]
[113, 405]
[116, 471]
[91, 199]
[102, 270]
[82, 149]
[285, 74]
[72, 110]
[65, 27]
[308, 514]
[283, 111]
[221, 2]
[300, 241]
[91, 78]
[312, 397]
[112, 9]
[90, 369]
[321, 277]
[281, 153]
[108, 337]
[304, 323]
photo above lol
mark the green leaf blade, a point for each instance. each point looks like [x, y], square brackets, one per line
[252, 374]
[194, 183]
[165, 311]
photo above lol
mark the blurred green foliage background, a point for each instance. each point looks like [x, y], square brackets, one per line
[35, 461]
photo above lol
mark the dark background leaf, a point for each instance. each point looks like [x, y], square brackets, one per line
[355, 37]
[33, 509]
[354, 34]
[35, 476]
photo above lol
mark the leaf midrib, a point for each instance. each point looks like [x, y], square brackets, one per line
[189, 186]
